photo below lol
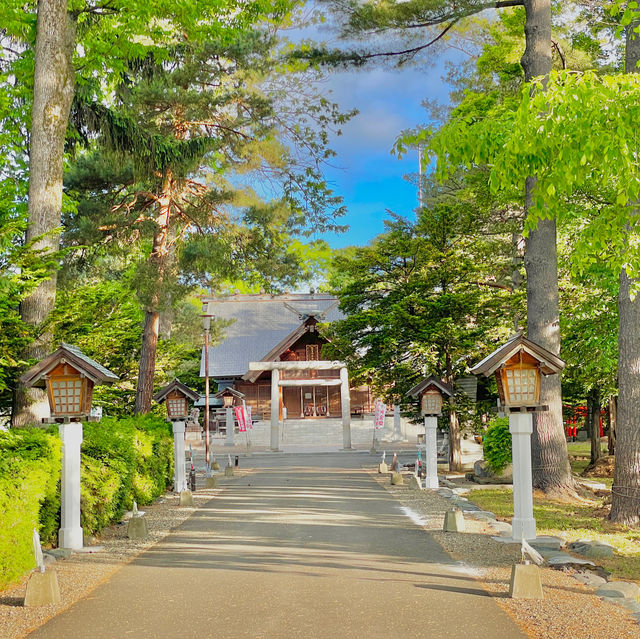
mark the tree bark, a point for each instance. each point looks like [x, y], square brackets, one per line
[455, 453]
[625, 492]
[159, 259]
[551, 471]
[53, 90]
[147, 364]
[613, 419]
[593, 423]
[625, 497]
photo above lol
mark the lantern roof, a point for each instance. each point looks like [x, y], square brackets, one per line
[443, 387]
[176, 384]
[229, 391]
[72, 355]
[549, 363]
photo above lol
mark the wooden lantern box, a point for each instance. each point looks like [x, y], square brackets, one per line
[518, 367]
[69, 377]
[176, 397]
[431, 392]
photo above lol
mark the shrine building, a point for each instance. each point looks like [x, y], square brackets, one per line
[273, 353]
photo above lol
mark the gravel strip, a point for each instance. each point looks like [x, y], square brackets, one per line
[83, 572]
[569, 609]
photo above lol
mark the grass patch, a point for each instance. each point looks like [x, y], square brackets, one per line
[573, 521]
[583, 449]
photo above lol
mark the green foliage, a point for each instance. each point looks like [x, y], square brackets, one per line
[121, 461]
[496, 444]
[578, 139]
[29, 476]
[423, 297]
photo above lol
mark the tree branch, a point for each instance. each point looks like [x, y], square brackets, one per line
[455, 15]
[367, 56]
[557, 47]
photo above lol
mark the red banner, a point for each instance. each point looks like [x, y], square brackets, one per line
[241, 418]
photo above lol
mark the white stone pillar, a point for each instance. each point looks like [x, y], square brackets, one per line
[70, 534]
[345, 405]
[431, 452]
[397, 424]
[230, 427]
[179, 466]
[275, 409]
[521, 427]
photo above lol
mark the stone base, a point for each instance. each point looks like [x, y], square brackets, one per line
[186, 498]
[396, 479]
[453, 521]
[210, 482]
[228, 471]
[414, 483]
[431, 483]
[72, 538]
[525, 582]
[137, 528]
[383, 468]
[42, 589]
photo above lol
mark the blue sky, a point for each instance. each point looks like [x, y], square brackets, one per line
[370, 179]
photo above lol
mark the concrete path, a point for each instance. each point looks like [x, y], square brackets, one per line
[288, 552]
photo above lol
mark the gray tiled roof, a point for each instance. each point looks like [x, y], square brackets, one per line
[259, 324]
[35, 376]
[92, 362]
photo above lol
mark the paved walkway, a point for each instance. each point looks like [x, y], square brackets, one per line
[288, 552]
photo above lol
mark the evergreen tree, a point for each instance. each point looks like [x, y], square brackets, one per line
[183, 133]
[425, 298]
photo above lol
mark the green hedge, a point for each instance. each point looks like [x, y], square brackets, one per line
[122, 460]
[29, 496]
[496, 444]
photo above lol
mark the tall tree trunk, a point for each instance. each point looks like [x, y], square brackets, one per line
[625, 493]
[593, 423]
[551, 471]
[159, 258]
[455, 452]
[147, 364]
[53, 89]
[613, 420]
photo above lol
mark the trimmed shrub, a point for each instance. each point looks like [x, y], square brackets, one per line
[122, 461]
[29, 497]
[496, 445]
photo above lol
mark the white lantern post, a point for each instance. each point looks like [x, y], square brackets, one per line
[70, 534]
[227, 401]
[518, 367]
[69, 377]
[230, 397]
[179, 463]
[176, 397]
[431, 392]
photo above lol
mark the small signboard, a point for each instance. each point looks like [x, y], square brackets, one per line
[379, 413]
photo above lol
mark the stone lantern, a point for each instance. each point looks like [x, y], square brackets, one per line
[176, 397]
[431, 392]
[69, 377]
[230, 397]
[518, 367]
